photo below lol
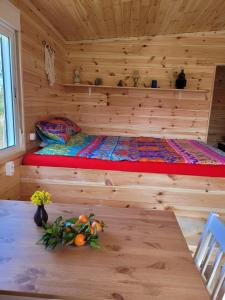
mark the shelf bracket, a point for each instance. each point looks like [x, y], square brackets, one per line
[89, 91]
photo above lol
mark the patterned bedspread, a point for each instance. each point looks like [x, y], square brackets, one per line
[117, 148]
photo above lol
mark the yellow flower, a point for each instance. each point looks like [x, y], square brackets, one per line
[41, 198]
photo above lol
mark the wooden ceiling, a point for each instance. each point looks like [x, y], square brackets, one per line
[96, 19]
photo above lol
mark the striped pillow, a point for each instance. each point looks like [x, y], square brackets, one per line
[56, 130]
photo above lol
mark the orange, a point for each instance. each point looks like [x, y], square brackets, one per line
[79, 240]
[83, 219]
[97, 225]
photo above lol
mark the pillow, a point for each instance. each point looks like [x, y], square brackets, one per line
[44, 140]
[70, 124]
[56, 130]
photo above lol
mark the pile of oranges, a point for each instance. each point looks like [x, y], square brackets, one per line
[83, 230]
[76, 231]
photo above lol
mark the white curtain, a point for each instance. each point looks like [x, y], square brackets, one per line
[50, 64]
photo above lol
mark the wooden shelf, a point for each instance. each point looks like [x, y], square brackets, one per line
[129, 87]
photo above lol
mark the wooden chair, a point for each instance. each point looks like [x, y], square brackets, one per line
[212, 242]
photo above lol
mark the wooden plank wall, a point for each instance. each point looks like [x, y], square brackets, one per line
[10, 185]
[189, 196]
[217, 118]
[159, 57]
[131, 112]
[39, 98]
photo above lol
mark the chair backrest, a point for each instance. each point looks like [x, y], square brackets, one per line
[219, 289]
[212, 242]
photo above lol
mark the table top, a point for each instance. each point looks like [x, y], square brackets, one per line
[143, 255]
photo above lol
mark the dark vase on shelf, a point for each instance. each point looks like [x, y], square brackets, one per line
[98, 81]
[40, 216]
[154, 84]
[181, 80]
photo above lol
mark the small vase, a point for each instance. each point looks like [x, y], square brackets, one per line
[154, 84]
[40, 216]
[181, 80]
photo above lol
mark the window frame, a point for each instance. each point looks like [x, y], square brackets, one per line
[13, 35]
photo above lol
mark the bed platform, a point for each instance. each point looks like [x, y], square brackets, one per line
[187, 195]
[186, 176]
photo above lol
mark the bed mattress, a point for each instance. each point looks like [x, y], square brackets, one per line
[32, 159]
[132, 154]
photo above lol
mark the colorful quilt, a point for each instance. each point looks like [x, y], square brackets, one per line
[117, 148]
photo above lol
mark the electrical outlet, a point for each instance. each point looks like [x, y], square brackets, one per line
[32, 136]
[9, 168]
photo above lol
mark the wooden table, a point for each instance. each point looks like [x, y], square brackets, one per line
[143, 255]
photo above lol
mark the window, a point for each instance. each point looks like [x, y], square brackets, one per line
[10, 118]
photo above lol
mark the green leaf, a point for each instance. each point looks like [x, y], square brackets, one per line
[88, 230]
[70, 236]
[72, 220]
[94, 244]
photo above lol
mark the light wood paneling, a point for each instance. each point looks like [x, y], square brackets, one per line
[35, 86]
[160, 113]
[10, 185]
[85, 19]
[193, 196]
[40, 99]
[156, 57]
[217, 117]
[159, 57]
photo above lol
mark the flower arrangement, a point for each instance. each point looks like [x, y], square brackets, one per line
[76, 231]
[41, 198]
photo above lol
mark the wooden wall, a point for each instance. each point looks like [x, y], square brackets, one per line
[40, 99]
[10, 185]
[217, 118]
[160, 113]
[159, 57]
[189, 196]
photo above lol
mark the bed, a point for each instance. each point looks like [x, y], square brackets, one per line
[191, 181]
[32, 159]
